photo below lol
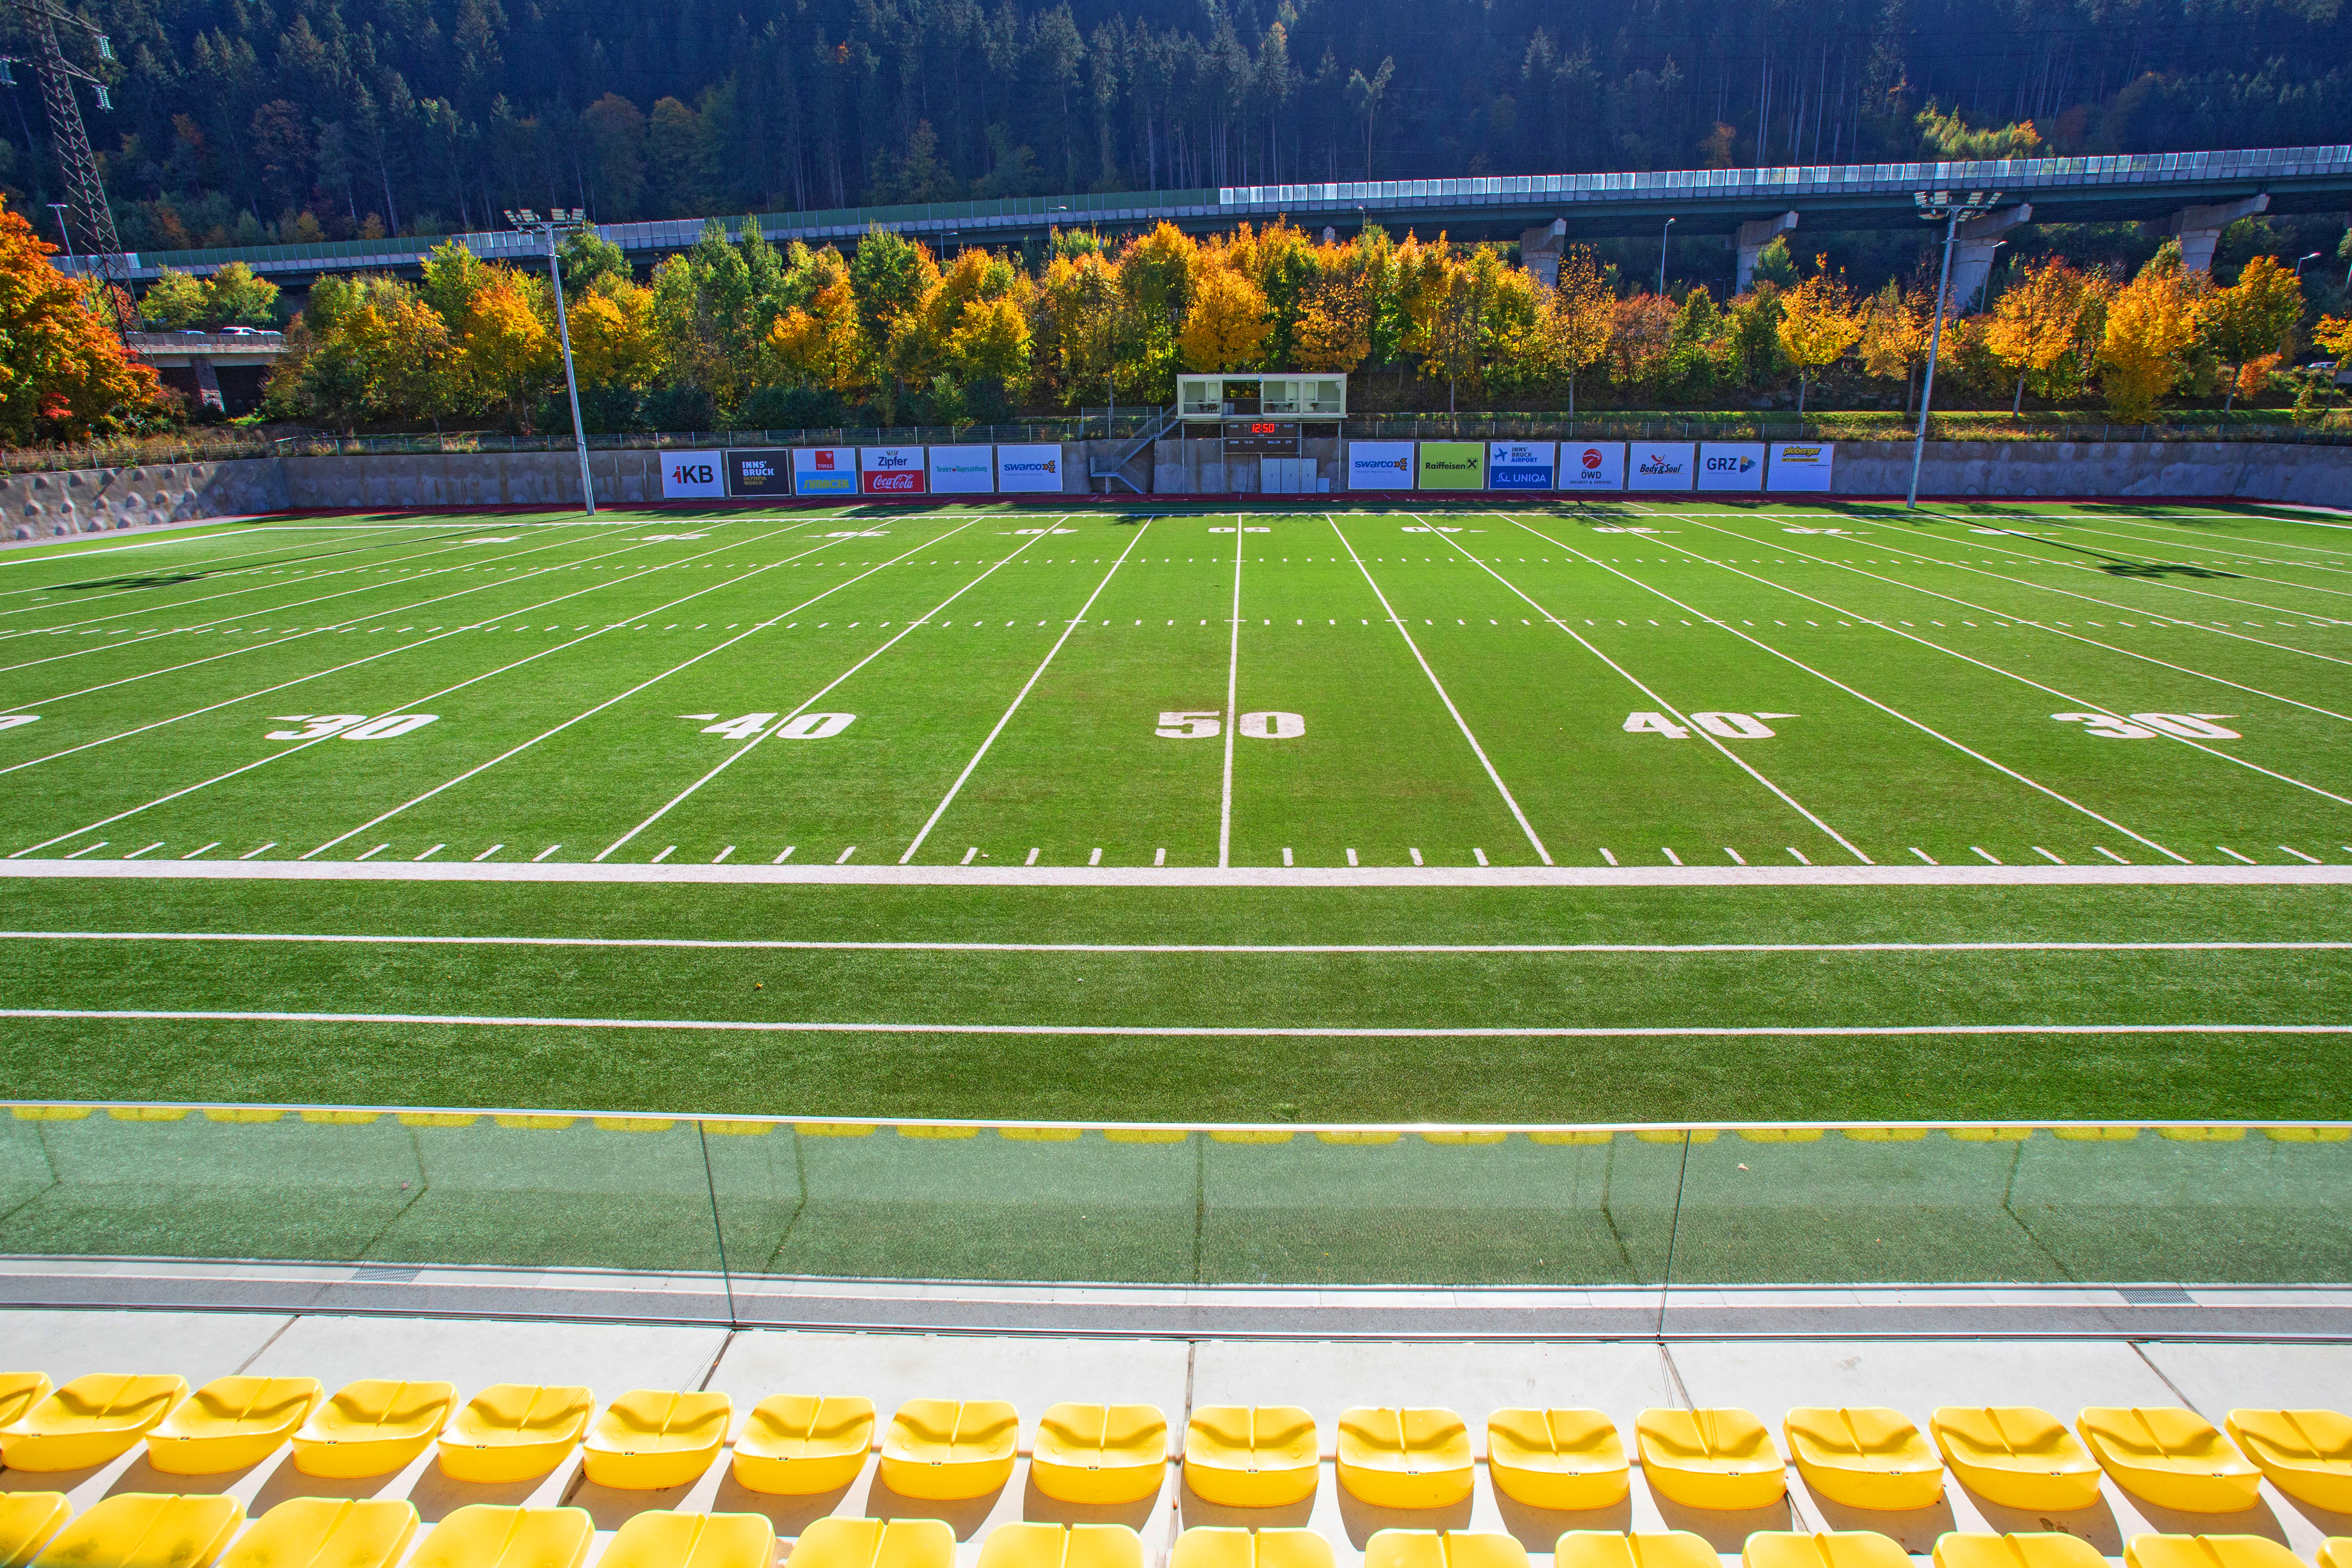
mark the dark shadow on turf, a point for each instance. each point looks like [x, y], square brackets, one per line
[146, 580]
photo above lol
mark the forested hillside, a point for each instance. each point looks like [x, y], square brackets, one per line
[250, 121]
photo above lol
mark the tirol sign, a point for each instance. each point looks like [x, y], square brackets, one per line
[1592, 466]
[1519, 465]
[891, 471]
[825, 470]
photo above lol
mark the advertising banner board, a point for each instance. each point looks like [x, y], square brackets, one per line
[1033, 468]
[1800, 466]
[1453, 464]
[825, 470]
[760, 473]
[1659, 465]
[1380, 464]
[1519, 465]
[891, 470]
[694, 476]
[1731, 465]
[962, 469]
[1592, 466]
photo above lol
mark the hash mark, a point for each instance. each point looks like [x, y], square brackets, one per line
[1095, 858]
[194, 853]
[2233, 855]
[432, 852]
[1987, 854]
[785, 856]
[377, 850]
[545, 853]
[1033, 856]
[491, 851]
[968, 856]
[2116, 858]
[663, 856]
[1736, 860]
[1607, 857]
[2047, 856]
[730, 848]
[1800, 859]
[1923, 855]
[1159, 856]
[1416, 856]
[2300, 854]
[251, 853]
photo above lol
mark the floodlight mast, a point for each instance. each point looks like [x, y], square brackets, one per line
[69, 138]
[562, 219]
[1934, 204]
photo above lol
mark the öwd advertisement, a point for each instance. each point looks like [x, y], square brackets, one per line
[1591, 464]
[1519, 465]
[825, 470]
[957, 471]
[1800, 466]
[1731, 465]
[1034, 468]
[1453, 464]
[694, 476]
[891, 470]
[1380, 464]
[1659, 465]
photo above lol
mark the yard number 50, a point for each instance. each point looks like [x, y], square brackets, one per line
[1207, 723]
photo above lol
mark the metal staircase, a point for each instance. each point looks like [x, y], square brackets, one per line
[1160, 421]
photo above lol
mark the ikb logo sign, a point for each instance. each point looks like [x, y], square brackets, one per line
[1731, 465]
[694, 476]
[1659, 465]
[1593, 465]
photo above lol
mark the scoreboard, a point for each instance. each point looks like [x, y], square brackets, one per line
[1262, 438]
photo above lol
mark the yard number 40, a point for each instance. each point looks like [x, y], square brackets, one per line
[1730, 726]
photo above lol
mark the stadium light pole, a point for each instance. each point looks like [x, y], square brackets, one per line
[1663, 234]
[560, 220]
[1934, 204]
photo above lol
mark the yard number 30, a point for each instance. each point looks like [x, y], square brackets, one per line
[2148, 726]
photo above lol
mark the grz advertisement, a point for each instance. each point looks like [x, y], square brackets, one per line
[1800, 466]
[961, 470]
[825, 470]
[1380, 464]
[1731, 465]
[1519, 465]
[1659, 465]
[1593, 465]
[768, 473]
[694, 476]
[891, 471]
[1036, 470]
[1453, 464]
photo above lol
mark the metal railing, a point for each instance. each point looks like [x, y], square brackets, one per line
[747, 1199]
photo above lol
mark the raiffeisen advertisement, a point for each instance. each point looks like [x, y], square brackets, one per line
[1519, 465]
[1453, 464]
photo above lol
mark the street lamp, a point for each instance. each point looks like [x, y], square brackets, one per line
[561, 220]
[2298, 266]
[1931, 206]
[60, 208]
[1663, 234]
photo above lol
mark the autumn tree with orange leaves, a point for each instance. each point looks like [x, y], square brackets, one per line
[63, 372]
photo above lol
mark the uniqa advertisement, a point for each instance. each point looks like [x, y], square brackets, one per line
[768, 473]
[1032, 468]
[1453, 464]
[694, 476]
[1658, 466]
[1731, 465]
[890, 470]
[1800, 466]
[1380, 464]
[825, 470]
[1592, 466]
[1519, 465]
[962, 469]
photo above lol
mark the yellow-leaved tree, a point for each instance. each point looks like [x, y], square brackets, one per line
[2151, 323]
[1574, 320]
[2251, 323]
[1819, 319]
[504, 344]
[1226, 325]
[2044, 326]
[614, 340]
[1895, 337]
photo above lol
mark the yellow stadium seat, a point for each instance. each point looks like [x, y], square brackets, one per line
[1642, 1549]
[27, 1519]
[2171, 1457]
[513, 1431]
[2207, 1552]
[1222, 1546]
[327, 1533]
[372, 1427]
[1863, 1456]
[837, 1543]
[19, 1391]
[660, 1538]
[1719, 1458]
[1062, 1546]
[2016, 1456]
[944, 1449]
[1251, 1455]
[1405, 1458]
[230, 1423]
[2336, 1551]
[650, 1438]
[1100, 1453]
[488, 1535]
[795, 1445]
[1442, 1549]
[145, 1530]
[1827, 1548]
[2030, 1549]
[2307, 1454]
[1556, 1458]
[88, 1421]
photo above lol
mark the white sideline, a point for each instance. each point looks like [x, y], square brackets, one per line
[1171, 1031]
[1202, 876]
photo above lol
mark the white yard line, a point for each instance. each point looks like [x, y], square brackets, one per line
[1178, 1031]
[1232, 713]
[1304, 950]
[1851, 691]
[1438, 686]
[818, 696]
[1083, 610]
[632, 691]
[2335, 551]
[201, 563]
[2084, 702]
[1699, 730]
[2217, 548]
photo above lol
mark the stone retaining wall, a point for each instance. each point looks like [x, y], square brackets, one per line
[101, 500]
[2236, 470]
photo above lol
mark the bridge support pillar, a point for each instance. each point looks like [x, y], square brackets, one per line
[2199, 229]
[208, 392]
[1540, 251]
[1753, 238]
[1972, 252]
